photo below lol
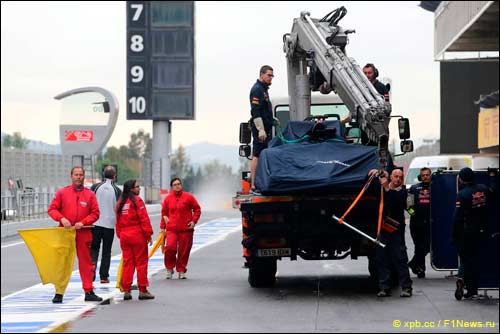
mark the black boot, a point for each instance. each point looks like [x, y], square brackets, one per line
[57, 298]
[92, 297]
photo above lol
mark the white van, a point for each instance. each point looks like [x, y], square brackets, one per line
[435, 163]
[484, 161]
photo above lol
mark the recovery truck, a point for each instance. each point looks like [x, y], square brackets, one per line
[286, 221]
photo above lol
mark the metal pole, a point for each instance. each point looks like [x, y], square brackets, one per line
[359, 232]
[161, 154]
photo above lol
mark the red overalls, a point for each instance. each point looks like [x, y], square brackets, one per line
[78, 206]
[133, 228]
[180, 208]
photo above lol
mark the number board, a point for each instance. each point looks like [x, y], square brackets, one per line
[160, 60]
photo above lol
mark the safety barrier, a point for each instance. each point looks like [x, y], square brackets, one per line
[26, 204]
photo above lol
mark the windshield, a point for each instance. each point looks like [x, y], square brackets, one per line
[283, 115]
[412, 176]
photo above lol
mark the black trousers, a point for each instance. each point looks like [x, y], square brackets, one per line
[421, 235]
[106, 235]
[469, 258]
[392, 256]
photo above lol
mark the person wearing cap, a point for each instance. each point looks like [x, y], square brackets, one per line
[470, 219]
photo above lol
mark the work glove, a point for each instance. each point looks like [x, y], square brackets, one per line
[259, 124]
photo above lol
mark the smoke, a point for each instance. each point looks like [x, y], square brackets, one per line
[215, 193]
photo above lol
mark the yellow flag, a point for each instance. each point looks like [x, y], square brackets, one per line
[159, 242]
[53, 250]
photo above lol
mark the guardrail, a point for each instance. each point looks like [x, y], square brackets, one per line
[26, 204]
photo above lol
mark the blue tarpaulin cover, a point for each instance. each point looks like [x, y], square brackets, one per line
[285, 168]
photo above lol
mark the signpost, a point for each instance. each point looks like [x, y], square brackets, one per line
[160, 72]
[89, 116]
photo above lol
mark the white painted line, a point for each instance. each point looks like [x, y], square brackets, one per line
[14, 244]
[32, 310]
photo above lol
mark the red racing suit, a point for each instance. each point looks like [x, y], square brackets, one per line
[134, 230]
[78, 206]
[180, 208]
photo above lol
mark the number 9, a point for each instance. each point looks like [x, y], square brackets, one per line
[137, 73]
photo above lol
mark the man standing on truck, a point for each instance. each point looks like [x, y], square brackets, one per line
[394, 253]
[262, 116]
[420, 227]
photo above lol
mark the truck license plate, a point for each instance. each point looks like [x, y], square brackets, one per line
[274, 252]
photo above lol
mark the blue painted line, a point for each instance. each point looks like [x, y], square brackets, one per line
[31, 310]
[23, 327]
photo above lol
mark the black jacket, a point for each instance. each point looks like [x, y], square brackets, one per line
[422, 195]
[470, 214]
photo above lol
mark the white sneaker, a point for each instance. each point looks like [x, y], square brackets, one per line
[182, 276]
[170, 272]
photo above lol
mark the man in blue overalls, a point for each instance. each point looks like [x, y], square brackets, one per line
[262, 116]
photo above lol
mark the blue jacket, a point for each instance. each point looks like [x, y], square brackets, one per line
[261, 105]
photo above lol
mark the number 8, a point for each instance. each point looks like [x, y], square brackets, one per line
[137, 43]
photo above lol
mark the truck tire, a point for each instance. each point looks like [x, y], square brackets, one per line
[262, 273]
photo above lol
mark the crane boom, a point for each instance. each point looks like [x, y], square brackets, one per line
[320, 45]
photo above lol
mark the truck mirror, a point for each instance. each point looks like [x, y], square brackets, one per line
[407, 146]
[404, 128]
[245, 133]
[245, 151]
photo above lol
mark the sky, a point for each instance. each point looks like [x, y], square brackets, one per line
[50, 47]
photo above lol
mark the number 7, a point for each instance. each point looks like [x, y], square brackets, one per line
[138, 10]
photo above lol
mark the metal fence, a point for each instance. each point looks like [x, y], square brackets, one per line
[35, 169]
[29, 181]
[26, 204]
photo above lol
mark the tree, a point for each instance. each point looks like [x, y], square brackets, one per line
[179, 163]
[16, 141]
[124, 171]
[140, 145]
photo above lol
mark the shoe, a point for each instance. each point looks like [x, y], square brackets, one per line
[170, 272]
[384, 293]
[416, 270]
[182, 275]
[471, 295]
[406, 292]
[254, 191]
[146, 295]
[92, 297]
[104, 280]
[413, 268]
[459, 292]
[57, 299]
[127, 296]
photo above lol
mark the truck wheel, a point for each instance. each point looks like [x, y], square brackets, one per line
[262, 273]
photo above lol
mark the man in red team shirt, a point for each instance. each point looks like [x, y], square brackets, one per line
[76, 206]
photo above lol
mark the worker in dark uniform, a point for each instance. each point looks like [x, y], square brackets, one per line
[371, 73]
[469, 223]
[262, 116]
[420, 227]
[394, 254]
